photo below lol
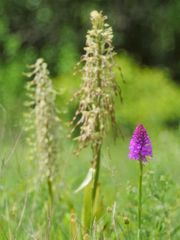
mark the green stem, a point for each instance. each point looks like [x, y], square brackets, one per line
[97, 170]
[97, 149]
[49, 182]
[50, 206]
[140, 199]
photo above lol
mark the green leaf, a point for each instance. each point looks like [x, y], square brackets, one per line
[87, 208]
[87, 180]
[98, 205]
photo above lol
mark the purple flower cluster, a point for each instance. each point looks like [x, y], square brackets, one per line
[140, 145]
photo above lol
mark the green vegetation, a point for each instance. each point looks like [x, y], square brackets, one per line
[150, 97]
[23, 201]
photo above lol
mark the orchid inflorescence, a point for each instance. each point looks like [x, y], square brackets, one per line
[99, 86]
[43, 115]
[140, 144]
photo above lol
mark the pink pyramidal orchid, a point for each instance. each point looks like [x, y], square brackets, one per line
[140, 145]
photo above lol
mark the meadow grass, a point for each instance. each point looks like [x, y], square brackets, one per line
[23, 200]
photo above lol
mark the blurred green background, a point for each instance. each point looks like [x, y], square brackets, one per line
[146, 38]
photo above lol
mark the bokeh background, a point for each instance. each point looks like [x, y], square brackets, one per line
[146, 35]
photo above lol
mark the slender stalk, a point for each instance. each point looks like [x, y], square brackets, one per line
[50, 191]
[97, 170]
[50, 206]
[97, 149]
[140, 199]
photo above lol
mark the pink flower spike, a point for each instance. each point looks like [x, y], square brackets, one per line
[140, 145]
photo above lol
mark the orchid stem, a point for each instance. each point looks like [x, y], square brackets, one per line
[97, 169]
[140, 200]
[50, 190]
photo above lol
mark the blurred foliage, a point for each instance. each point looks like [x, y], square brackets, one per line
[149, 95]
[56, 29]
